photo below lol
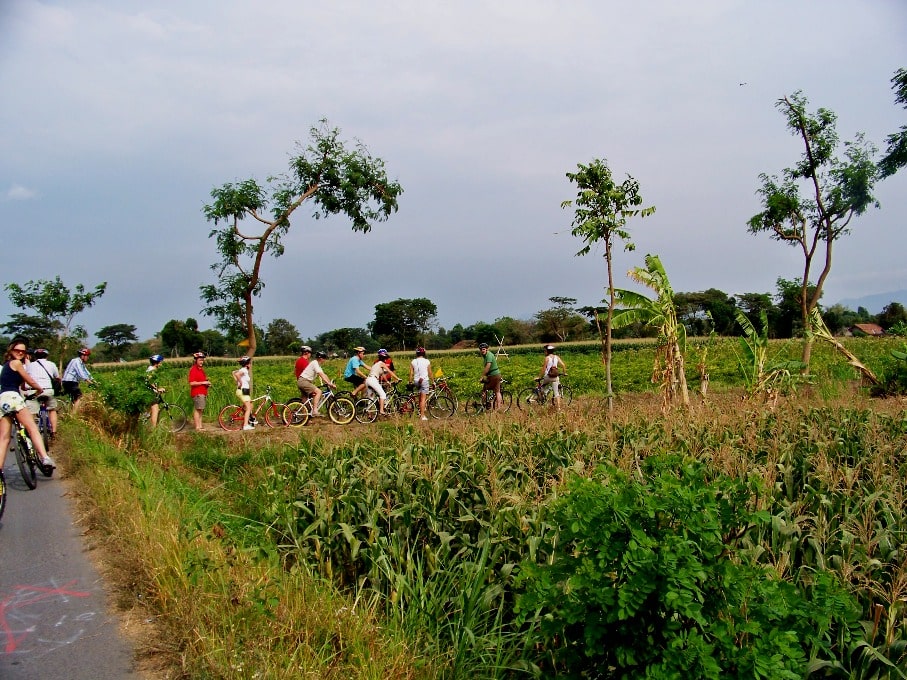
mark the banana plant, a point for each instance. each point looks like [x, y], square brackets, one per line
[761, 375]
[818, 329]
[657, 312]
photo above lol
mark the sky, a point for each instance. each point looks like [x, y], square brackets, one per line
[118, 119]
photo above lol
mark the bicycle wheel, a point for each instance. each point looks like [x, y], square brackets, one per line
[367, 410]
[174, 416]
[475, 406]
[342, 411]
[441, 406]
[506, 401]
[2, 493]
[296, 412]
[24, 460]
[566, 395]
[44, 429]
[274, 414]
[528, 399]
[231, 417]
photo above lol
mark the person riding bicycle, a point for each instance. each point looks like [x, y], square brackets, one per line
[552, 368]
[306, 381]
[12, 403]
[304, 353]
[378, 373]
[76, 373]
[356, 371]
[243, 378]
[491, 374]
[155, 360]
[44, 371]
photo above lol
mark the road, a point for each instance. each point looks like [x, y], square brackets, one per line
[54, 616]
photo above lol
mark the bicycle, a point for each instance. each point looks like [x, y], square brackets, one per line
[167, 412]
[231, 416]
[438, 405]
[442, 388]
[340, 409]
[538, 395]
[485, 401]
[43, 419]
[26, 455]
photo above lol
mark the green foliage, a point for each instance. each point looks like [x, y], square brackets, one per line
[403, 322]
[760, 374]
[896, 155]
[647, 580]
[119, 336]
[282, 337]
[894, 376]
[126, 392]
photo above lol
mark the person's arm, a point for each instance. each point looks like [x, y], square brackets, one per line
[544, 367]
[325, 378]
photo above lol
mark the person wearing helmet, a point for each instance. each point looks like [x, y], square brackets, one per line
[243, 378]
[552, 368]
[356, 371]
[154, 361]
[198, 388]
[384, 355]
[420, 376]
[304, 353]
[378, 373]
[46, 374]
[306, 382]
[76, 373]
[491, 374]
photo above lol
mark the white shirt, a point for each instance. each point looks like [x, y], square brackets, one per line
[420, 366]
[41, 376]
[310, 371]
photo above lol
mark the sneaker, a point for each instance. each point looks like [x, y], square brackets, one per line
[318, 415]
[424, 418]
[48, 462]
[248, 427]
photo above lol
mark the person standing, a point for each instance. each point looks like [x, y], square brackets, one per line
[44, 371]
[154, 361]
[552, 368]
[356, 371]
[77, 372]
[491, 374]
[243, 378]
[420, 376]
[12, 377]
[198, 388]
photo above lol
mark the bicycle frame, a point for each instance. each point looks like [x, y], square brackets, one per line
[231, 416]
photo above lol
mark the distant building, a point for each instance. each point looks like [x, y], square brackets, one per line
[871, 329]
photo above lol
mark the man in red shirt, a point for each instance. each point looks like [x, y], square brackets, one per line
[198, 387]
[304, 353]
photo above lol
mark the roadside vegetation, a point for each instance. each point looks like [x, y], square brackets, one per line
[744, 537]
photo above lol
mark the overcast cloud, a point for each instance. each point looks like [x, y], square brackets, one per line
[118, 118]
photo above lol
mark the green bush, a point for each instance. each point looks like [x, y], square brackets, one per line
[647, 580]
[126, 392]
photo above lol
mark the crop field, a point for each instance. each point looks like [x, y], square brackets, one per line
[735, 539]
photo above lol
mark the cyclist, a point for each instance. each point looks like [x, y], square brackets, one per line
[491, 374]
[385, 357]
[77, 372]
[44, 371]
[155, 360]
[12, 376]
[307, 385]
[356, 371]
[243, 378]
[420, 376]
[198, 387]
[379, 372]
[550, 374]
[304, 353]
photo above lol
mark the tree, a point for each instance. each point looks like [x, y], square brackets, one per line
[602, 208]
[560, 322]
[181, 337]
[892, 314]
[118, 336]
[40, 331]
[706, 311]
[333, 179]
[661, 314]
[401, 323]
[282, 337]
[53, 301]
[895, 157]
[343, 340]
[812, 205]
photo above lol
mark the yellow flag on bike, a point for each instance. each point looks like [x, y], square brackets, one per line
[439, 372]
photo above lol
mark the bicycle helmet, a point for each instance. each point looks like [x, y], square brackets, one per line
[199, 355]
[549, 348]
[40, 353]
[321, 355]
[483, 345]
[420, 351]
[304, 349]
[382, 353]
[245, 361]
[85, 352]
[156, 358]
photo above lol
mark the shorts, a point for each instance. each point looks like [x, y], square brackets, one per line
[71, 389]
[243, 394]
[307, 387]
[375, 385]
[199, 401]
[423, 386]
[493, 383]
[355, 379]
[34, 404]
[555, 384]
[11, 402]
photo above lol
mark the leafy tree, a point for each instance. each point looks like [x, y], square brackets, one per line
[180, 337]
[753, 305]
[706, 311]
[212, 342]
[59, 305]
[40, 331]
[119, 336]
[787, 320]
[602, 207]
[342, 340]
[811, 206]
[333, 179]
[895, 157]
[560, 322]
[661, 314]
[282, 337]
[892, 314]
[403, 322]
[515, 331]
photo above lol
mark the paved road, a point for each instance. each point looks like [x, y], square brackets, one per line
[54, 618]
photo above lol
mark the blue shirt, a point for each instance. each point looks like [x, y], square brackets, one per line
[351, 366]
[76, 371]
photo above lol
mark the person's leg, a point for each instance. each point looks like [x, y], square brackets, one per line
[24, 417]
[155, 410]
[316, 401]
[6, 428]
[52, 412]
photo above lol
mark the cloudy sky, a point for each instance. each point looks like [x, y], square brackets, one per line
[118, 118]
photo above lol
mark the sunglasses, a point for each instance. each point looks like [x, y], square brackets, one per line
[19, 349]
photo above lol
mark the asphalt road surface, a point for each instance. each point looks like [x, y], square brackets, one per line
[54, 617]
